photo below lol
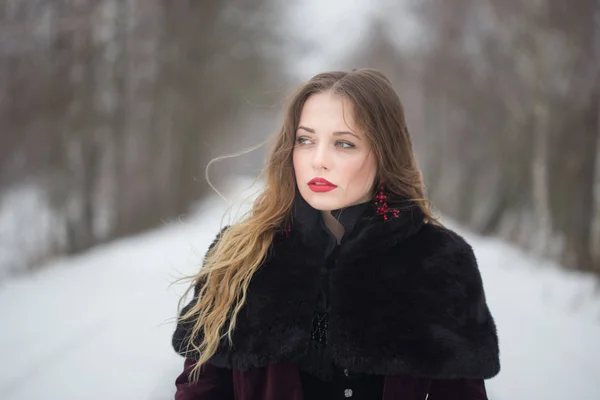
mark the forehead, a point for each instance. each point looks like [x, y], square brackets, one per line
[328, 111]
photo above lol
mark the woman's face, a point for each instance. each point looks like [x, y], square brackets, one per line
[330, 146]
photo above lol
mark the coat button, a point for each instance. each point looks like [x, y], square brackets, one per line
[348, 393]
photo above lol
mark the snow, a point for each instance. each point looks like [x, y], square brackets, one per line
[548, 322]
[98, 326]
[27, 224]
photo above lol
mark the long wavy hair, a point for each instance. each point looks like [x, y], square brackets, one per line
[233, 259]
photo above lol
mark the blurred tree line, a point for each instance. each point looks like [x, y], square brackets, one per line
[111, 108]
[503, 99]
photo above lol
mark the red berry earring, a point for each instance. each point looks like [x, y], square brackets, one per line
[381, 203]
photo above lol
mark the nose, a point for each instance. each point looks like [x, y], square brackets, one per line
[321, 157]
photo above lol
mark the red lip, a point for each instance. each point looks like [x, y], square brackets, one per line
[325, 186]
[323, 181]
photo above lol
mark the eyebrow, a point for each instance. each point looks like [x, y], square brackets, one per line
[334, 133]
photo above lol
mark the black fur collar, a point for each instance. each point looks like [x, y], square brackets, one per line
[406, 298]
[363, 224]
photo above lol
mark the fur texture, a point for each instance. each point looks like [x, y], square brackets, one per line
[406, 298]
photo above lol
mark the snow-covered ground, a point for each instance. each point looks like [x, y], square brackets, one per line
[98, 326]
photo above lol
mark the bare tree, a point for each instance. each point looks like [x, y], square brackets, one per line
[113, 106]
[507, 93]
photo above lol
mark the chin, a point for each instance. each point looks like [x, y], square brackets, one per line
[320, 201]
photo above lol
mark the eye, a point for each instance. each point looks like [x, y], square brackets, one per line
[301, 140]
[345, 145]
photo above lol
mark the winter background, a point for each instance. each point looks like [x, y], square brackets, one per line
[111, 110]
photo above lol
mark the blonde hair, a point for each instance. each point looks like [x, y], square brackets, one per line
[232, 260]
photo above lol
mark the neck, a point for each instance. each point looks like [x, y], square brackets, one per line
[334, 226]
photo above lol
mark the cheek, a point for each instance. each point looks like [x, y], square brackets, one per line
[359, 173]
[300, 166]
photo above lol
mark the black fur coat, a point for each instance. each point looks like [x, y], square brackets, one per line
[406, 298]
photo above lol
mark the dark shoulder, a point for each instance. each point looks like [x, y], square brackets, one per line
[214, 242]
[445, 254]
[441, 239]
[218, 237]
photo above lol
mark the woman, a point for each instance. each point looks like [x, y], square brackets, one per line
[340, 283]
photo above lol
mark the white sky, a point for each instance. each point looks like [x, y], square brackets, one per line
[321, 32]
